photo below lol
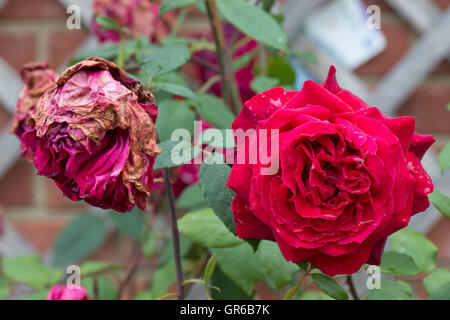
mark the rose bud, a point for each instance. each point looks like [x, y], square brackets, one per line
[38, 78]
[244, 75]
[61, 292]
[347, 177]
[94, 134]
[140, 17]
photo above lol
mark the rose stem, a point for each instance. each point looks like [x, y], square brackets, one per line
[229, 85]
[352, 288]
[175, 234]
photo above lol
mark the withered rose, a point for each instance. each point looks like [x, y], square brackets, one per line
[348, 176]
[141, 17]
[94, 134]
[38, 78]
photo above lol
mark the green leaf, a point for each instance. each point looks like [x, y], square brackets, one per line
[315, 295]
[279, 68]
[329, 286]
[79, 239]
[148, 242]
[213, 179]
[165, 59]
[441, 202]
[436, 279]
[92, 267]
[168, 5]
[162, 279]
[417, 246]
[166, 255]
[106, 289]
[173, 88]
[209, 270]
[130, 223]
[205, 228]
[174, 114]
[214, 111]
[31, 271]
[241, 265]
[89, 284]
[444, 158]
[228, 289]
[254, 22]
[4, 288]
[280, 271]
[175, 153]
[263, 83]
[107, 23]
[306, 56]
[191, 197]
[391, 290]
[398, 264]
[443, 293]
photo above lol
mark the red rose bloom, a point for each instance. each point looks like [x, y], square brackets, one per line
[348, 176]
[94, 134]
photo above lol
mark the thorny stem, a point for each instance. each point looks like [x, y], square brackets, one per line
[229, 86]
[175, 234]
[352, 287]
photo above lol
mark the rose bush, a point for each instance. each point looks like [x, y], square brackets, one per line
[94, 134]
[38, 78]
[348, 176]
[140, 17]
[61, 292]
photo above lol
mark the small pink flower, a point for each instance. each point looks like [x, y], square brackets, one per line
[61, 292]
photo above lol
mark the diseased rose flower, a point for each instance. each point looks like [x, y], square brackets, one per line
[38, 78]
[348, 176]
[94, 134]
[61, 292]
[243, 75]
[141, 17]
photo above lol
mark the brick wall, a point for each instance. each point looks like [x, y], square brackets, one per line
[36, 30]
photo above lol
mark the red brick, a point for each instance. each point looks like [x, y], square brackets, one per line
[443, 4]
[63, 44]
[32, 9]
[16, 185]
[398, 44]
[54, 195]
[5, 118]
[18, 49]
[40, 231]
[427, 104]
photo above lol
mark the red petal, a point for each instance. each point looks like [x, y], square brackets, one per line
[247, 225]
[403, 128]
[420, 144]
[347, 264]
